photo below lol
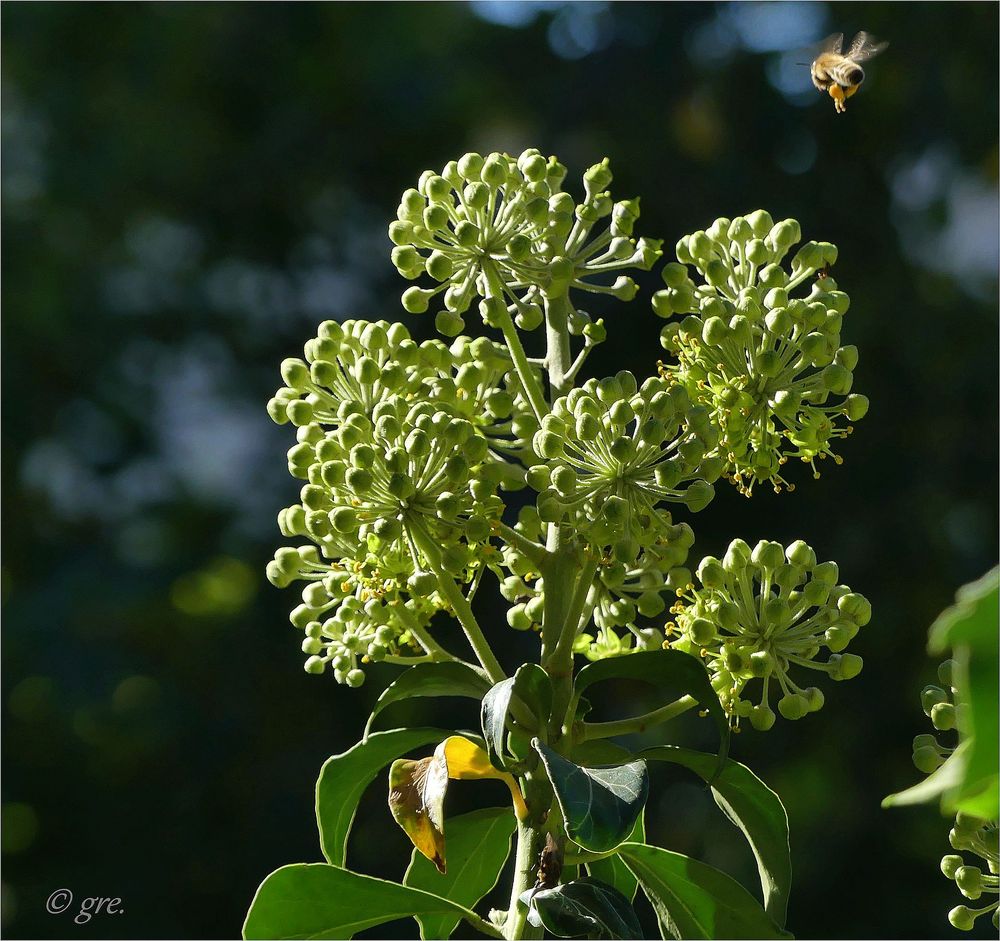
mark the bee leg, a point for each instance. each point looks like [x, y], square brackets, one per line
[837, 94]
[850, 90]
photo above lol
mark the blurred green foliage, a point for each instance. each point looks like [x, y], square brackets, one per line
[189, 189]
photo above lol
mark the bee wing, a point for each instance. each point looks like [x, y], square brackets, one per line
[864, 47]
[833, 43]
[809, 54]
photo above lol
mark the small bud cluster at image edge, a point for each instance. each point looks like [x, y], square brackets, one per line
[979, 881]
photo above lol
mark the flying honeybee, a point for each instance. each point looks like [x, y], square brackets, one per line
[840, 74]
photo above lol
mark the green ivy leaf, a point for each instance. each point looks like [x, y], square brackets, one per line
[936, 785]
[583, 908]
[969, 628]
[478, 847]
[693, 900]
[753, 807]
[599, 805]
[666, 670]
[432, 679]
[599, 751]
[317, 900]
[529, 688]
[613, 871]
[344, 778]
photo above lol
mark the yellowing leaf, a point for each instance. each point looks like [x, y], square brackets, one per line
[466, 761]
[416, 799]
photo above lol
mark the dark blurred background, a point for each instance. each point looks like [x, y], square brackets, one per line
[189, 189]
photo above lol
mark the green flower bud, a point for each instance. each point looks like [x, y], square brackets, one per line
[785, 234]
[761, 664]
[698, 495]
[856, 607]
[760, 222]
[962, 918]
[439, 266]
[932, 696]
[793, 706]
[315, 665]
[762, 718]
[711, 573]
[837, 379]
[769, 555]
[943, 716]
[969, 880]
[798, 553]
[856, 407]
[757, 252]
[354, 678]
[950, 865]
[651, 604]
[946, 673]
[716, 331]
[814, 698]
[449, 324]
[701, 632]
[845, 666]
[548, 445]
[529, 317]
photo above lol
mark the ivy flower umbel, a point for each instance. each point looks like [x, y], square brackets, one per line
[613, 452]
[410, 472]
[970, 834]
[501, 229]
[760, 614]
[358, 362]
[982, 839]
[352, 367]
[355, 610]
[767, 365]
[621, 596]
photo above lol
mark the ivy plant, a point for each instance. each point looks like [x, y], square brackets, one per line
[435, 470]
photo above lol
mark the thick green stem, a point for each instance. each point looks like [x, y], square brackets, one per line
[561, 664]
[574, 614]
[591, 730]
[557, 348]
[532, 386]
[459, 604]
[529, 847]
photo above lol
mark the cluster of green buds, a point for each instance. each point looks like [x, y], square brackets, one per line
[760, 613]
[501, 229]
[353, 611]
[768, 366]
[354, 366]
[939, 706]
[613, 451]
[622, 596]
[982, 839]
[969, 834]
[402, 447]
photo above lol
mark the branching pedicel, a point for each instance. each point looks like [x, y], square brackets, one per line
[407, 450]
